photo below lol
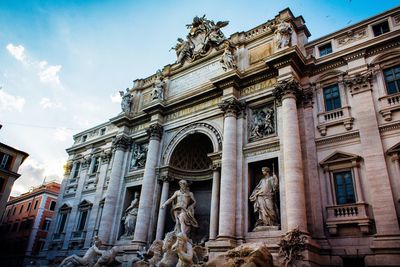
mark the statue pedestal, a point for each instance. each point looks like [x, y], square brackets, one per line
[263, 228]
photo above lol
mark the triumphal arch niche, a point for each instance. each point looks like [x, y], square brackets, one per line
[255, 143]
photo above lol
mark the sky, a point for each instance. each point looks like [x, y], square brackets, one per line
[63, 62]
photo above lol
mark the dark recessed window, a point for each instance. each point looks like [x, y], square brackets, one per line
[5, 161]
[36, 203]
[344, 188]
[21, 208]
[29, 207]
[392, 79]
[82, 220]
[76, 171]
[84, 138]
[2, 182]
[46, 224]
[53, 205]
[96, 165]
[61, 222]
[14, 210]
[381, 28]
[325, 49]
[103, 131]
[332, 97]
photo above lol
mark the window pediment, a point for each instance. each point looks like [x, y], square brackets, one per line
[394, 149]
[340, 158]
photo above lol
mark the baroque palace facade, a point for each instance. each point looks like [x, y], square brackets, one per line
[322, 116]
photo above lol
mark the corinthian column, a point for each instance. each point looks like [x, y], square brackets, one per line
[228, 188]
[120, 145]
[149, 181]
[288, 92]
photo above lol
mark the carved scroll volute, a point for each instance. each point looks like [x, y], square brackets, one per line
[121, 142]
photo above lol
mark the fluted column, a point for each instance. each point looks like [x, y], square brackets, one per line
[227, 210]
[149, 181]
[288, 92]
[120, 145]
[162, 212]
[214, 203]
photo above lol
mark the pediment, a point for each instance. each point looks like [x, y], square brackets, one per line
[339, 157]
[394, 149]
[65, 207]
[85, 203]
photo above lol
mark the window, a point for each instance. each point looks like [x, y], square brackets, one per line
[84, 138]
[344, 188]
[61, 222]
[77, 167]
[332, 97]
[96, 165]
[2, 182]
[5, 161]
[102, 131]
[36, 203]
[392, 79]
[14, 210]
[21, 208]
[380, 28]
[82, 220]
[8, 212]
[325, 49]
[53, 205]
[46, 224]
[29, 207]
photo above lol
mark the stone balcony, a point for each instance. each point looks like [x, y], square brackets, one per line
[347, 214]
[388, 104]
[335, 117]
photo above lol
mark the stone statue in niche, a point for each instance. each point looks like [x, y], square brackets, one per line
[228, 59]
[264, 198]
[262, 122]
[139, 154]
[283, 34]
[126, 101]
[158, 88]
[183, 208]
[130, 216]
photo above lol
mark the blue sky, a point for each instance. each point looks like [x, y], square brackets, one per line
[62, 62]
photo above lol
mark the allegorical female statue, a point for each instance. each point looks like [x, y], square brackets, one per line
[264, 198]
[130, 217]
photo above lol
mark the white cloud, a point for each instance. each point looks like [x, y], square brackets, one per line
[49, 73]
[17, 51]
[116, 98]
[46, 103]
[61, 134]
[11, 102]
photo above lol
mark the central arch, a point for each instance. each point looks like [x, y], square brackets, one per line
[189, 160]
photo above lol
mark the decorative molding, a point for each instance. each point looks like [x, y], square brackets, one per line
[232, 107]
[288, 87]
[261, 148]
[133, 178]
[359, 82]
[338, 138]
[389, 127]
[155, 131]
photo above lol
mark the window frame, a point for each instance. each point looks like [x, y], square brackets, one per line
[324, 89]
[396, 81]
[336, 194]
[379, 24]
[322, 48]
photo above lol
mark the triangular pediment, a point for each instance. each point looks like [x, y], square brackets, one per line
[339, 157]
[65, 207]
[85, 203]
[394, 149]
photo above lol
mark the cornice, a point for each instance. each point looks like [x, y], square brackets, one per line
[337, 138]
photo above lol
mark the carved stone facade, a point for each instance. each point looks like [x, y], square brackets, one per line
[323, 117]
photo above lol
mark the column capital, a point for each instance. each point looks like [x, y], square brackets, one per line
[286, 89]
[155, 131]
[121, 142]
[232, 107]
[166, 179]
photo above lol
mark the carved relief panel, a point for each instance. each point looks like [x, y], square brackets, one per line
[261, 122]
[138, 159]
